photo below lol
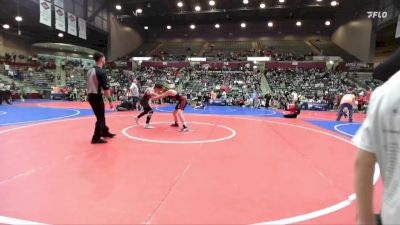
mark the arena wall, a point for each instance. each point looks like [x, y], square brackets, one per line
[356, 38]
[123, 39]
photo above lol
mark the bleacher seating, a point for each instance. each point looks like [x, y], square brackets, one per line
[144, 49]
[309, 83]
[231, 50]
[230, 46]
[28, 76]
[237, 83]
[282, 46]
[181, 48]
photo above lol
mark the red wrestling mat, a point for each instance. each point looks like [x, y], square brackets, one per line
[227, 170]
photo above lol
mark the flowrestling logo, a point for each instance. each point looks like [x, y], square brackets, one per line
[377, 14]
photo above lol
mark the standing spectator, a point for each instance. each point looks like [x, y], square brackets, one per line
[8, 57]
[378, 140]
[361, 102]
[338, 97]
[213, 95]
[223, 95]
[20, 92]
[74, 94]
[267, 99]
[331, 100]
[5, 93]
[134, 90]
[294, 96]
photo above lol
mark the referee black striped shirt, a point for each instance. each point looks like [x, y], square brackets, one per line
[96, 81]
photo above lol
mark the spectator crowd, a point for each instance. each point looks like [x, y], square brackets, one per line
[315, 86]
[239, 86]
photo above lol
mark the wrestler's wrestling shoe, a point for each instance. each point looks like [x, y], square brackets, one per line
[109, 135]
[185, 129]
[148, 126]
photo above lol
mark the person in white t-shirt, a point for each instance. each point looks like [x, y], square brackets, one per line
[294, 96]
[223, 95]
[134, 91]
[379, 141]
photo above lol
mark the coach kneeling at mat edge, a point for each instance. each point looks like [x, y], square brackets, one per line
[96, 85]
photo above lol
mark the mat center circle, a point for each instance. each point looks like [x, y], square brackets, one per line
[198, 133]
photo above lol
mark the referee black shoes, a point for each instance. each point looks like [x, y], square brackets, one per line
[100, 141]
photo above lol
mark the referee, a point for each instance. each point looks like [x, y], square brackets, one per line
[96, 85]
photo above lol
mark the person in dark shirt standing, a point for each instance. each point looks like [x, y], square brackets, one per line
[97, 85]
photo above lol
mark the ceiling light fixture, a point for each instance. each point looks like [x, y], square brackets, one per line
[118, 7]
[6, 26]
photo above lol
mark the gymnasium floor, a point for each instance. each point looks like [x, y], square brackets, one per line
[235, 166]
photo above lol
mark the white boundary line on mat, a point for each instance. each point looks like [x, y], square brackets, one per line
[77, 112]
[343, 132]
[233, 133]
[10, 220]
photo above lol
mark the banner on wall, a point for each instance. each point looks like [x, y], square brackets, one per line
[59, 3]
[82, 28]
[71, 24]
[315, 106]
[398, 28]
[45, 12]
[60, 18]
[356, 67]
